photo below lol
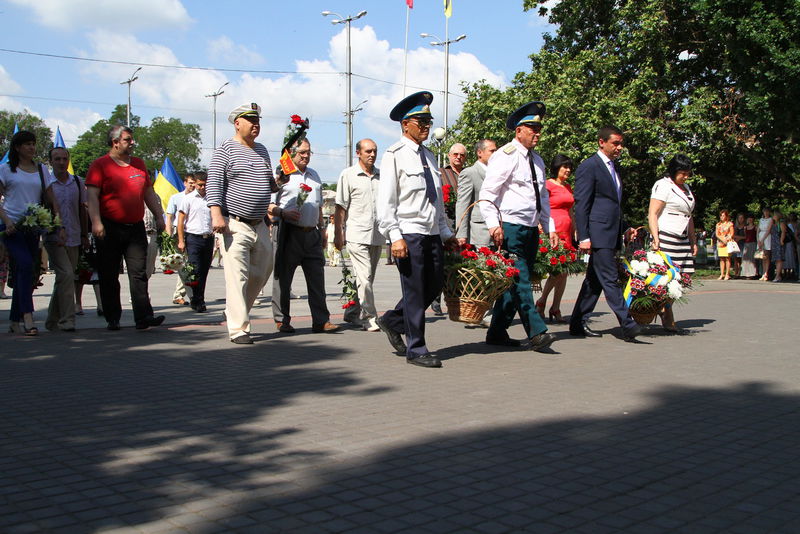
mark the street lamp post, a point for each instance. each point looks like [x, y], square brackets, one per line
[446, 44]
[346, 21]
[129, 81]
[214, 95]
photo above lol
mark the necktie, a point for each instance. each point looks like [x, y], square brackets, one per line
[613, 170]
[430, 189]
[535, 184]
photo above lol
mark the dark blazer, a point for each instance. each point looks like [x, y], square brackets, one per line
[598, 210]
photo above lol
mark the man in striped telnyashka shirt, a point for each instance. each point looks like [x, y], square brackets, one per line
[238, 192]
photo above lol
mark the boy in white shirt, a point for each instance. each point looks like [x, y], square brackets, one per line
[196, 238]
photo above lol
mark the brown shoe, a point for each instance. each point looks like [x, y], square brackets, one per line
[286, 328]
[324, 328]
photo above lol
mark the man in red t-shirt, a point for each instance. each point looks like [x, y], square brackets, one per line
[119, 187]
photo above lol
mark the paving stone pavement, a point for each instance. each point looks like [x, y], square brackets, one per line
[175, 429]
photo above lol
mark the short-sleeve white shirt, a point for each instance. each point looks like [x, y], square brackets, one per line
[678, 206]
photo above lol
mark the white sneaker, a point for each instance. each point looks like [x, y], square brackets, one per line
[371, 325]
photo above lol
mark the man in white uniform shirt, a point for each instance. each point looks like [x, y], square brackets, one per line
[356, 195]
[300, 244]
[411, 215]
[515, 182]
[196, 238]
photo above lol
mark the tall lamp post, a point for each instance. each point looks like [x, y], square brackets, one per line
[214, 95]
[346, 21]
[129, 81]
[446, 44]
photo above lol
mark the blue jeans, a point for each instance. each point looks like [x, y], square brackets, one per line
[23, 248]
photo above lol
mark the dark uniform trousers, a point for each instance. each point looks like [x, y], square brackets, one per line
[421, 281]
[524, 242]
[299, 248]
[127, 241]
[601, 276]
[200, 249]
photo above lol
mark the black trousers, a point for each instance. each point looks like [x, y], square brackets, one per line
[128, 241]
[421, 281]
[601, 275]
[200, 250]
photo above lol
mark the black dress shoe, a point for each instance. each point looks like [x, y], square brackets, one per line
[507, 342]
[147, 322]
[629, 334]
[437, 308]
[395, 338]
[428, 360]
[541, 342]
[113, 325]
[583, 331]
[244, 339]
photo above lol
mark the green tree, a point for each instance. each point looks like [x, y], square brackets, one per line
[25, 121]
[714, 79]
[164, 137]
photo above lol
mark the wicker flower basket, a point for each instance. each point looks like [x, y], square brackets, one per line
[470, 293]
[646, 315]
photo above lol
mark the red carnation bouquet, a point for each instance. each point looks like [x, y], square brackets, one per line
[550, 261]
[449, 199]
[474, 278]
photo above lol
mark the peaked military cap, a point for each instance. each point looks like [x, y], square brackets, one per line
[530, 113]
[245, 110]
[416, 105]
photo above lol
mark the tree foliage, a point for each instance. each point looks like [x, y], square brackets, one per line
[25, 121]
[714, 79]
[164, 137]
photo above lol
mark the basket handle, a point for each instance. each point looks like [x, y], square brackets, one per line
[469, 208]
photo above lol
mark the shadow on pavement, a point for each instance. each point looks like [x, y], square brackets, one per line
[108, 433]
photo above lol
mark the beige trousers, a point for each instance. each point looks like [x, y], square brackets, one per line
[247, 262]
[365, 260]
[61, 312]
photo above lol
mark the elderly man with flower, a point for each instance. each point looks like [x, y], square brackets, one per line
[300, 243]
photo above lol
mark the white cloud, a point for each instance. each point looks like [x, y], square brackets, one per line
[71, 121]
[9, 86]
[224, 50]
[128, 16]
[319, 96]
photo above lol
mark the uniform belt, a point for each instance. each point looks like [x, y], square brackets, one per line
[679, 214]
[204, 236]
[251, 222]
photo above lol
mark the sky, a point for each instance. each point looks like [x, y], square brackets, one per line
[285, 56]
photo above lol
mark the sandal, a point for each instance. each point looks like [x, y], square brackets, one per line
[540, 309]
[30, 332]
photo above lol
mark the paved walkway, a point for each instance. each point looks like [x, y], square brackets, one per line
[175, 429]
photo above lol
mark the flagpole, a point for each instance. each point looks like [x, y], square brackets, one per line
[446, 67]
[405, 50]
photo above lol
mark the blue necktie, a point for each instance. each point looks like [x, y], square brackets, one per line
[430, 189]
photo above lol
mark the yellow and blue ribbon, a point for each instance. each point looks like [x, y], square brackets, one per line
[673, 273]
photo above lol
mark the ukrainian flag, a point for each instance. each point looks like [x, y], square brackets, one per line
[5, 158]
[59, 143]
[448, 8]
[167, 183]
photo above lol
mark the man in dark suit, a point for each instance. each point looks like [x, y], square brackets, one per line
[598, 219]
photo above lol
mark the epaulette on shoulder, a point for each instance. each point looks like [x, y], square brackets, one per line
[509, 148]
[395, 147]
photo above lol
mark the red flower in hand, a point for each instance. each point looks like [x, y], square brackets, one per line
[348, 304]
[305, 187]
[446, 192]
[297, 119]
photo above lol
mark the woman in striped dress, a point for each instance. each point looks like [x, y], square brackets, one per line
[671, 223]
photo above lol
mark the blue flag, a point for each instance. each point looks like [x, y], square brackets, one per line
[167, 182]
[5, 158]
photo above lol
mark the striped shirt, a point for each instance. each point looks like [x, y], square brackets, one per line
[240, 180]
